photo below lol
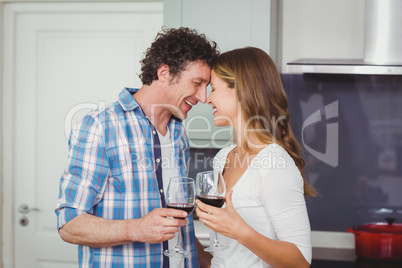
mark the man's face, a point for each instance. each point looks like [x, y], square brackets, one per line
[189, 88]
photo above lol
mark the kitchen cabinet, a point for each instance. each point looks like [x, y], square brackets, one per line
[232, 24]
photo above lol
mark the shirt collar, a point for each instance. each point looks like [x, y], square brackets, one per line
[127, 100]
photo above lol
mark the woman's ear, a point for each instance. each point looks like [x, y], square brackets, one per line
[164, 73]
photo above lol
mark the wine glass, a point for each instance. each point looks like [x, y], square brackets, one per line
[211, 190]
[180, 195]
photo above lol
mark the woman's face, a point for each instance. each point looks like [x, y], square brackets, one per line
[224, 102]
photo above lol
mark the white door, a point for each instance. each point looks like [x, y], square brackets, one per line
[60, 61]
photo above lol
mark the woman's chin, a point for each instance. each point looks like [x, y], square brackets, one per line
[221, 123]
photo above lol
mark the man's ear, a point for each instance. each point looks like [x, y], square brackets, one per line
[164, 73]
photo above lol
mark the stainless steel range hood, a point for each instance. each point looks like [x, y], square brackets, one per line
[382, 47]
[338, 66]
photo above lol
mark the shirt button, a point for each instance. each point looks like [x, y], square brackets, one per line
[154, 132]
[158, 160]
[161, 190]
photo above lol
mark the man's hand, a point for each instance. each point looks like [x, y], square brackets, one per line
[159, 225]
[94, 231]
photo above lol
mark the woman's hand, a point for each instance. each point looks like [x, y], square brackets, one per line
[229, 223]
[225, 221]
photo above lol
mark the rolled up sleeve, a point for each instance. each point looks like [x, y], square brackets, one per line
[83, 180]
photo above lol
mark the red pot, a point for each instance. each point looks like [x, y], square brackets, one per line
[378, 241]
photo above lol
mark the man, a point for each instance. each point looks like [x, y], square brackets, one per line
[111, 201]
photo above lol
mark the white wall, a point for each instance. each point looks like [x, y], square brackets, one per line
[321, 29]
[230, 23]
[1, 131]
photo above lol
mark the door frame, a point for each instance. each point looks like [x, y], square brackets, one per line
[11, 11]
[8, 137]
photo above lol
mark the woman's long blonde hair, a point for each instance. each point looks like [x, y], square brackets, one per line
[263, 101]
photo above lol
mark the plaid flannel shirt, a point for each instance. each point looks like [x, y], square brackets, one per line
[111, 173]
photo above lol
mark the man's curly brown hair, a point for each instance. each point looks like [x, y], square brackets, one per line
[176, 48]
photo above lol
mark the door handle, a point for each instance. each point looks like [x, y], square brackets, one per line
[24, 209]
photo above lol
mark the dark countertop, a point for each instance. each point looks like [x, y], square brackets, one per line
[346, 258]
[334, 254]
[333, 258]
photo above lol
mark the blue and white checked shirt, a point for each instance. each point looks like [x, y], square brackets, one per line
[112, 173]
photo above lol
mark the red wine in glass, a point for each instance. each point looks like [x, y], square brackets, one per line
[211, 190]
[182, 206]
[180, 195]
[212, 200]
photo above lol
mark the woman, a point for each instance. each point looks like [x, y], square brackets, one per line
[265, 221]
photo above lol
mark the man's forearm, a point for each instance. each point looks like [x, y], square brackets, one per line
[159, 225]
[94, 231]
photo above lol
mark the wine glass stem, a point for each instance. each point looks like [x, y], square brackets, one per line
[216, 242]
[178, 234]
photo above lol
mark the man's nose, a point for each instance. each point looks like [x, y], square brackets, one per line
[202, 94]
